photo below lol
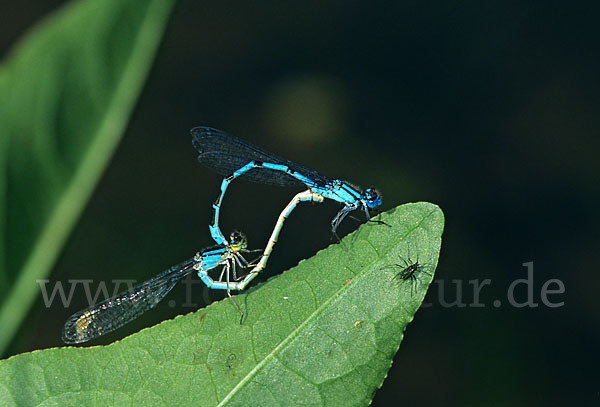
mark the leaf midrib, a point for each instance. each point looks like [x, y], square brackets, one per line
[311, 317]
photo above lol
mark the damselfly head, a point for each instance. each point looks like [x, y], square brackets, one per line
[237, 241]
[372, 198]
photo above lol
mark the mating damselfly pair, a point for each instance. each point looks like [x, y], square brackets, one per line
[232, 158]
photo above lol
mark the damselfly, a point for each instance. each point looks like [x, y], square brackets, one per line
[233, 158]
[113, 313]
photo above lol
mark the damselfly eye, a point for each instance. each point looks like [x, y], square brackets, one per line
[238, 241]
[372, 197]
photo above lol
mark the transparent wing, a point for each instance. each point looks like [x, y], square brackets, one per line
[111, 314]
[225, 154]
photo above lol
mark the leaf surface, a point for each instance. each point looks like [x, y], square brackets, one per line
[321, 333]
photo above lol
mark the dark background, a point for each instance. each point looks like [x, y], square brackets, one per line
[488, 109]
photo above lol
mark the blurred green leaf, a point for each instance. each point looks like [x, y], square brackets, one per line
[322, 333]
[66, 94]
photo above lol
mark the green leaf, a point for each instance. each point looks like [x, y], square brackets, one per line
[322, 333]
[66, 94]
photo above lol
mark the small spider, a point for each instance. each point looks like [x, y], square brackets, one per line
[409, 271]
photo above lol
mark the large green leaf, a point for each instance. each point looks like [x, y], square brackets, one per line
[66, 93]
[322, 333]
